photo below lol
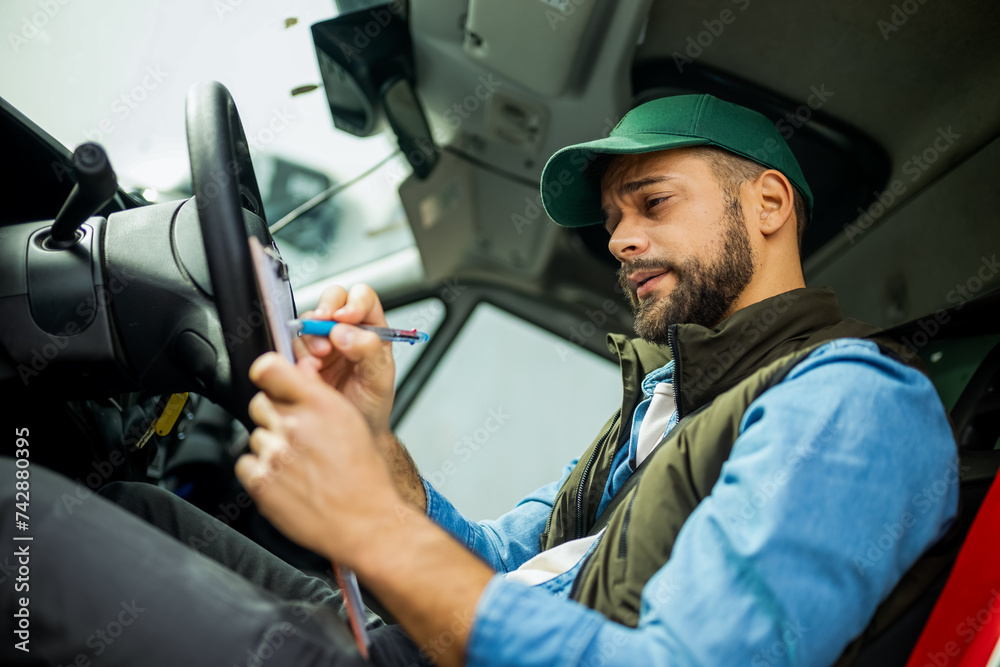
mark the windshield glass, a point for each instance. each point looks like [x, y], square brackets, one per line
[117, 73]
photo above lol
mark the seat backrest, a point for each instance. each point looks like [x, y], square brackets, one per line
[965, 624]
[966, 372]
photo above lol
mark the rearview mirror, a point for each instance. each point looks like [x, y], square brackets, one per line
[366, 61]
[409, 123]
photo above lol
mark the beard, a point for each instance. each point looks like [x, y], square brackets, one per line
[703, 293]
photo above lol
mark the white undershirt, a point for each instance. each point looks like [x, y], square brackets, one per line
[563, 558]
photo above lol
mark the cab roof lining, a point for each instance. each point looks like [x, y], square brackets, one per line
[908, 75]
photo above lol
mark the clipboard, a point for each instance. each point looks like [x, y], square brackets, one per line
[279, 309]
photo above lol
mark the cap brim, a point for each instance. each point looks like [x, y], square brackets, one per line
[568, 196]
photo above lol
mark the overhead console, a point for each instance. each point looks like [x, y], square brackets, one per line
[549, 38]
[505, 85]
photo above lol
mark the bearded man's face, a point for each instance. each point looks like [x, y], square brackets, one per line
[682, 240]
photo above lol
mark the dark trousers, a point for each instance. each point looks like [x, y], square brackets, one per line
[136, 576]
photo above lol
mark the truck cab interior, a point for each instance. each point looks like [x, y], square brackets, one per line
[401, 145]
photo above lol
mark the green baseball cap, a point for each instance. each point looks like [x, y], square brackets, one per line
[669, 122]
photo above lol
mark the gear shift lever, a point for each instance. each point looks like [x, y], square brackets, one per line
[96, 184]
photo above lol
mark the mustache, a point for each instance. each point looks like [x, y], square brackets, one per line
[643, 264]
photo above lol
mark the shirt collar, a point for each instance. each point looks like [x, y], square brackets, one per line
[662, 374]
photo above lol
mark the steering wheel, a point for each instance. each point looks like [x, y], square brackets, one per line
[229, 211]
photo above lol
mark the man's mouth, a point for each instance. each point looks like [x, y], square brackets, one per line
[644, 282]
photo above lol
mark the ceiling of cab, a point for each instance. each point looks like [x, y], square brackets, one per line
[922, 78]
[903, 72]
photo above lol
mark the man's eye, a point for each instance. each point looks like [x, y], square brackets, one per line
[652, 202]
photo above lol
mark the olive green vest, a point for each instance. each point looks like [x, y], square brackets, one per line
[718, 373]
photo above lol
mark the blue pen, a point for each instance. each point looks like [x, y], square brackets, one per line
[323, 328]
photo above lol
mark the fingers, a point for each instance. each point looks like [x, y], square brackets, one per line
[251, 472]
[362, 306]
[271, 453]
[332, 299]
[280, 379]
[316, 346]
[266, 444]
[310, 366]
[253, 469]
[359, 306]
[262, 411]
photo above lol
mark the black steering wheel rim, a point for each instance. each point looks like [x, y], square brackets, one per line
[223, 182]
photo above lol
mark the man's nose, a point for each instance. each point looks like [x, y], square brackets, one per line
[629, 240]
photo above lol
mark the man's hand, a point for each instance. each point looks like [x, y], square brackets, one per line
[360, 366]
[354, 362]
[316, 474]
[314, 471]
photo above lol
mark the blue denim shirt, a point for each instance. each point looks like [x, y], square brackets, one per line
[841, 477]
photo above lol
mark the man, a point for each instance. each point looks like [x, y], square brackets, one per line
[759, 493]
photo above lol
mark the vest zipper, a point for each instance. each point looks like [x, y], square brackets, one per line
[586, 471]
[675, 380]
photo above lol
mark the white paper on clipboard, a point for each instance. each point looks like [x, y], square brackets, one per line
[279, 309]
[275, 296]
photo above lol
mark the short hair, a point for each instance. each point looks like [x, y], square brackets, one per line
[730, 171]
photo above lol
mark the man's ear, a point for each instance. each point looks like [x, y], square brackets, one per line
[775, 201]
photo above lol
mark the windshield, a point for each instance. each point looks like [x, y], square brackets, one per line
[117, 73]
